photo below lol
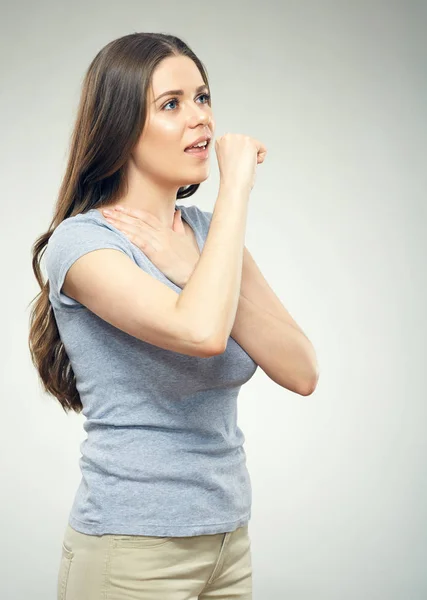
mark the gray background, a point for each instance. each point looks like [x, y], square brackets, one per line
[337, 221]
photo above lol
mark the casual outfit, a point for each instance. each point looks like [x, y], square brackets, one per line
[164, 479]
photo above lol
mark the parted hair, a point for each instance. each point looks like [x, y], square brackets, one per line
[112, 108]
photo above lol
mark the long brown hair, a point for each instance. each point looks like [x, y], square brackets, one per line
[112, 107]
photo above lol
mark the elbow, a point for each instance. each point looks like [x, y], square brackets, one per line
[213, 345]
[210, 345]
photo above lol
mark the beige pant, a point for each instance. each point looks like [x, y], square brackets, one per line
[138, 567]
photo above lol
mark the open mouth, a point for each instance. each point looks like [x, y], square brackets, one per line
[201, 151]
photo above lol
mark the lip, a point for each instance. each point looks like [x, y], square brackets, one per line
[204, 138]
[201, 154]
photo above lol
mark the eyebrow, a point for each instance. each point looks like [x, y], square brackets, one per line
[180, 92]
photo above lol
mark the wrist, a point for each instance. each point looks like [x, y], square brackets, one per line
[235, 189]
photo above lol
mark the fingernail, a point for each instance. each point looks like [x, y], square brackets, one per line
[107, 212]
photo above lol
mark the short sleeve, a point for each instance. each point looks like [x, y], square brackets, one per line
[204, 217]
[73, 238]
[208, 216]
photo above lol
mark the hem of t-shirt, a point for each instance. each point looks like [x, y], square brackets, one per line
[116, 528]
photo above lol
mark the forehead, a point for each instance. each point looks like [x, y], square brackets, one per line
[175, 73]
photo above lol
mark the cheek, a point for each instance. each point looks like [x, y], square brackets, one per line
[160, 151]
[161, 146]
[166, 134]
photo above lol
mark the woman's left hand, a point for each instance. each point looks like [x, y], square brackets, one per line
[170, 250]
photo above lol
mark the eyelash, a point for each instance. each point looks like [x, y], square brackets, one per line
[208, 96]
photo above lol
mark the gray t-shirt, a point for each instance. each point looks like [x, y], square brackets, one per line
[163, 454]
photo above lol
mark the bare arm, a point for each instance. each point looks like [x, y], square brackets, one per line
[211, 295]
[197, 321]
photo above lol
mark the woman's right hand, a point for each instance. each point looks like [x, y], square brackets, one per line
[238, 156]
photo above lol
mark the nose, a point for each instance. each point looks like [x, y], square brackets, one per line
[201, 116]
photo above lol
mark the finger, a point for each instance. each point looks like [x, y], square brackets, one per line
[133, 234]
[261, 151]
[135, 224]
[261, 157]
[127, 228]
[138, 213]
[261, 148]
[119, 217]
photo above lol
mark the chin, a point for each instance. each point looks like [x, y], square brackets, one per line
[203, 175]
[201, 179]
[195, 179]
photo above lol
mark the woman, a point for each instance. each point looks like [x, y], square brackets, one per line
[133, 330]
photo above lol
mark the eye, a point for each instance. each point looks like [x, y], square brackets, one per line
[208, 96]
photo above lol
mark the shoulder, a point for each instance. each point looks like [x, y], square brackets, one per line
[76, 236]
[86, 229]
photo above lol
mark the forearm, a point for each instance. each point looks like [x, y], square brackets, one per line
[211, 294]
[282, 351]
